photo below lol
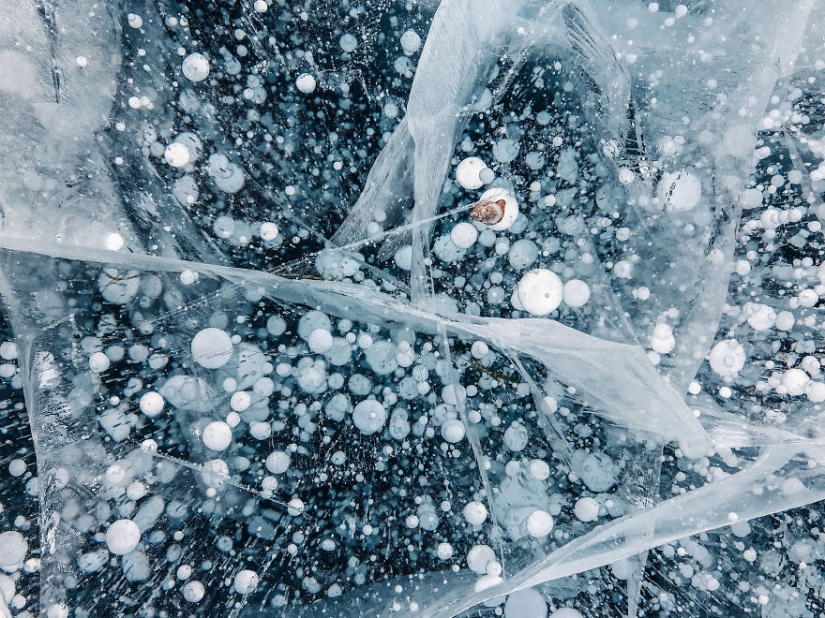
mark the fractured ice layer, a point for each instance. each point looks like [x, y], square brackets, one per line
[504, 308]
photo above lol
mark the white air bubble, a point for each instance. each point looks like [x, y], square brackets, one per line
[453, 431]
[586, 509]
[540, 291]
[245, 581]
[212, 348]
[217, 436]
[195, 67]
[369, 416]
[410, 42]
[539, 523]
[306, 83]
[468, 173]
[576, 293]
[176, 154]
[727, 358]
[122, 536]
[475, 513]
[268, 231]
[320, 340]
[193, 591]
[463, 235]
[278, 462]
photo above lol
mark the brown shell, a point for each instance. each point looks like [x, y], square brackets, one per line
[489, 213]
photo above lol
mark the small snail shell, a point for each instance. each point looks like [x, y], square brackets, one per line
[489, 213]
[496, 209]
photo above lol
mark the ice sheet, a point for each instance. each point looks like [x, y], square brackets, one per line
[271, 367]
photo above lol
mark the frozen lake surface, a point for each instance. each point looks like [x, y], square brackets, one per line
[461, 308]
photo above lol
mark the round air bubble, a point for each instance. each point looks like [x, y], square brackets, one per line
[516, 437]
[463, 235]
[586, 509]
[505, 150]
[193, 144]
[118, 287]
[760, 317]
[381, 357]
[540, 291]
[240, 401]
[348, 42]
[151, 403]
[8, 350]
[212, 348]
[468, 173]
[295, 507]
[539, 469]
[523, 253]
[369, 416]
[227, 176]
[444, 551]
[479, 557]
[727, 358]
[276, 326]
[245, 581]
[596, 472]
[217, 436]
[17, 467]
[57, 610]
[662, 341]
[320, 340]
[306, 83]
[339, 353]
[13, 548]
[186, 190]
[575, 293]
[784, 320]
[403, 257]
[114, 241]
[176, 155]
[453, 431]
[193, 591]
[214, 473]
[680, 191]
[539, 523]
[260, 430]
[808, 298]
[566, 612]
[278, 462]
[312, 379]
[98, 362]
[410, 42]
[195, 67]
[475, 513]
[525, 604]
[794, 381]
[122, 536]
[479, 349]
[815, 391]
[312, 320]
[268, 231]
[446, 250]
[454, 394]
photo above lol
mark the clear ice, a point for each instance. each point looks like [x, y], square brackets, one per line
[261, 357]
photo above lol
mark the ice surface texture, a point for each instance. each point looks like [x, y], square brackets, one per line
[267, 373]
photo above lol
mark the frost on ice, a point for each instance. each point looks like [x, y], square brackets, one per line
[509, 308]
